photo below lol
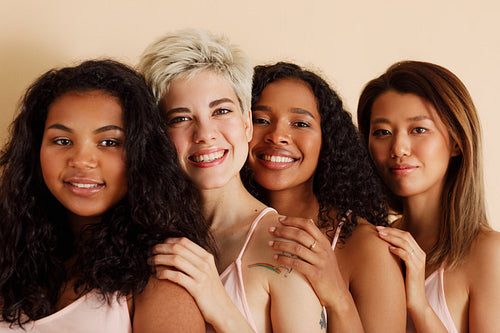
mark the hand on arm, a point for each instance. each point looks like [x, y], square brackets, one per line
[189, 265]
[319, 266]
[405, 247]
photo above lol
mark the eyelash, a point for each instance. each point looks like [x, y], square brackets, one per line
[221, 111]
[102, 143]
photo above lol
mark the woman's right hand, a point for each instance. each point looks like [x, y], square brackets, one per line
[182, 261]
[405, 247]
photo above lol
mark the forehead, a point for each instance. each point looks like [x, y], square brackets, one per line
[85, 108]
[204, 85]
[392, 105]
[289, 93]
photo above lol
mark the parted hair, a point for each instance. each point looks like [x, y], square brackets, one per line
[111, 256]
[463, 205]
[344, 179]
[185, 53]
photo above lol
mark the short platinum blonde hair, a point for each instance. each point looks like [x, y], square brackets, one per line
[185, 53]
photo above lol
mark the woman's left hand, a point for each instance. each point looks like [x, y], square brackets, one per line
[313, 256]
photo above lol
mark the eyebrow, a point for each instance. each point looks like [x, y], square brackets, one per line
[220, 101]
[293, 110]
[97, 131]
[211, 105]
[386, 121]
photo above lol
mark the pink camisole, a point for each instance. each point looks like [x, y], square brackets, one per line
[232, 277]
[89, 313]
[434, 290]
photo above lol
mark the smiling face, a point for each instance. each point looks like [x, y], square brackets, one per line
[409, 144]
[82, 156]
[208, 128]
[285, 147]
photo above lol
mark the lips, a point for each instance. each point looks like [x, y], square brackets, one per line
[276, 159]
[207, 159]
[84, 186]
[403, 169]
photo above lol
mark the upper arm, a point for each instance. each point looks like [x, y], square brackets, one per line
[484, 290]
[376, 283]
[166, 307]
[294, 305]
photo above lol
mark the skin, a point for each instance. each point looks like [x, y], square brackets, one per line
[204, 117]
[83, 165]
[411, 148]
[343, 285]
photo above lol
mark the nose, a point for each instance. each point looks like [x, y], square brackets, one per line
[401, 145]
[83, 157]
[204, 132]
[278, 134]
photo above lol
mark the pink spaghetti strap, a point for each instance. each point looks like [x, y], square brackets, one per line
[339, 227]
[252, 228]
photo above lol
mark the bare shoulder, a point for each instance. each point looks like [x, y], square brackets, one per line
[366, 242]
[484, 253]
[165, 306]
[365, 251]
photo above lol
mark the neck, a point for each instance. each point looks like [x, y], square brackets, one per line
[295, 202]
[229, 205]
[77, 222]
[421, 217]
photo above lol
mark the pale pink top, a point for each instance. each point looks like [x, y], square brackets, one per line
[89, 313]
[232, 277]
[434, 289]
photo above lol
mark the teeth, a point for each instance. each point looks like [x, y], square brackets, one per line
[277, 159]
[84, 185]
[208, 157]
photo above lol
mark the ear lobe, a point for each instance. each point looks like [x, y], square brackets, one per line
[249, 127]
[455, 150]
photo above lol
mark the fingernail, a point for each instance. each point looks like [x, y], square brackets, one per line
[272, 229]
[275, 257]
[382, 233]
[282, 218]
[379, 227]
[270, 243]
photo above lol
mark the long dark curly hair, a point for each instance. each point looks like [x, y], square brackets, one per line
[344, 179]
[111, 256]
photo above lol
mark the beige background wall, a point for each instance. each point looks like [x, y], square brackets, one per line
[350, 42]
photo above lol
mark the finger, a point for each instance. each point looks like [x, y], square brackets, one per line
[165, 262]
[307, 225]
[398, 238]
[178, 277]
[295, 249]
[294, 263]
[294, 234]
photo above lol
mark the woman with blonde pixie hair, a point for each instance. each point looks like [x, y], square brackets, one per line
[423, 133]
[203, 85]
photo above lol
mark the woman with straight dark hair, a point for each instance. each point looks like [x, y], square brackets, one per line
[422, 130]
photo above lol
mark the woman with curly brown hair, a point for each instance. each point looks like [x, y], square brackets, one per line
[89, 183]
[306, 160]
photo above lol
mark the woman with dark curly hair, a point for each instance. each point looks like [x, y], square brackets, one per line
[306, 160]
[89, 183]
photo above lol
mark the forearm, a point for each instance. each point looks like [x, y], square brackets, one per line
[343, 316]
[229, 320]
[425, 320]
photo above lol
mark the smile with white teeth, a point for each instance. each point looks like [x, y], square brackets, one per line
[206, 158]
[84, 185]
[277, 159]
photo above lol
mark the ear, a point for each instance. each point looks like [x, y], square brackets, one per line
[455, 149]
[248, 126]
